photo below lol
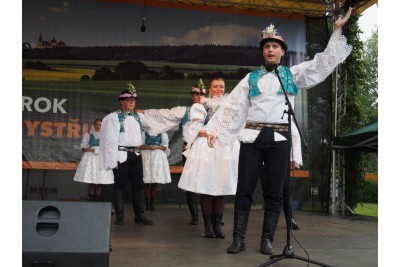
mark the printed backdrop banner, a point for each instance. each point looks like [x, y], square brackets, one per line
[78, 55]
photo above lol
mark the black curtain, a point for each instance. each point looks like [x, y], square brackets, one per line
[319, 120]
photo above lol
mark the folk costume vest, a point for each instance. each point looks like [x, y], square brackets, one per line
[152, 140]
[122, 115]
[186, 117]
[283, 72]
[93, 141]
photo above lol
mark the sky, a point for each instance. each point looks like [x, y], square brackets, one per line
[89, 23]
[368, 22]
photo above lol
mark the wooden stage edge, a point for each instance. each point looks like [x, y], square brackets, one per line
[70, 166]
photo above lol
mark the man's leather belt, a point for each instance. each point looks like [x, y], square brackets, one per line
[129, 148]
[261, 125]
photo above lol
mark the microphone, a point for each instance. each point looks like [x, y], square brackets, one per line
[26, 47]
[26, 50]
[143, 28]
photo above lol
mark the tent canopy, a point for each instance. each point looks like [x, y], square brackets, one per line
[313, 8]
[364, 139]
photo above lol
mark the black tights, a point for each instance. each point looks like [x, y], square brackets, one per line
[212, 204]
[150, 190]
[94, 190]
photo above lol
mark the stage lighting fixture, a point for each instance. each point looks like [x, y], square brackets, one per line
[143, 28]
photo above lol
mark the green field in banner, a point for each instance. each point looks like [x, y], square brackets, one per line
[153, 65]
[103, 95]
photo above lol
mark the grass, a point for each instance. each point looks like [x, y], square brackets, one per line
[154, 65]
[368, 209]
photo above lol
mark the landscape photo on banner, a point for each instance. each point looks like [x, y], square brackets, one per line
[83, 53]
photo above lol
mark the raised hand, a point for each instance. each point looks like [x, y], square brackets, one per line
[343, 20]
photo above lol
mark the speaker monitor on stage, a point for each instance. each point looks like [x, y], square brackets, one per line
[61, 234]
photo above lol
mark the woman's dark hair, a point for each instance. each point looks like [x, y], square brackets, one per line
[96, 121]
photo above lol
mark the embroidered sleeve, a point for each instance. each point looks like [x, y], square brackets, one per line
[296, 156]
[162, 120]
[313, 72]
[165, 143]
[109, 135]
[231, 115]
[85, 141]
[197, 117]
[164, 140]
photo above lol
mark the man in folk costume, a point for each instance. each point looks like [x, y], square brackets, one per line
[253, 114]
[120, 139]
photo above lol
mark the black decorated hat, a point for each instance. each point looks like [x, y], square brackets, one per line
[130, 93]
[271, 34]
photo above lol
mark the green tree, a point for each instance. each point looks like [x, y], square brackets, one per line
[370, 58]
[361, 70]
[103, 74]
[130, 70]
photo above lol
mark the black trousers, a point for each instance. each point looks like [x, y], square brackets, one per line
[275, 156]
[129, 171]
[287, 208]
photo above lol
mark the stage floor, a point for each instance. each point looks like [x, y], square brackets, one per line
[172, 241]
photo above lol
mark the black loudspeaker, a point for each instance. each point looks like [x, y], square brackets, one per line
[65, 234]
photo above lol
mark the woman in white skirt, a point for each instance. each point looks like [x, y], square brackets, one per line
[210, 172]
[88, 170]
[155, 165]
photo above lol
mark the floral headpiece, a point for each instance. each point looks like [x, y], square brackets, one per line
[199, 88]
[130, 93]
[270, 33]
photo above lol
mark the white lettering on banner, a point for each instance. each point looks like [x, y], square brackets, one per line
[26, 103]
[58, 105]
[40, 100]
[43, 104]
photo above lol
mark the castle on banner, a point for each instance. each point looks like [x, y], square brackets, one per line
[49, 44]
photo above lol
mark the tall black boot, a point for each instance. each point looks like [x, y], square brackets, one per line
[239, 231]
[213, 220]
[138, 208]
[208, 231]
[192, 204]
[119, 206]
[217, 226]
[267, 237]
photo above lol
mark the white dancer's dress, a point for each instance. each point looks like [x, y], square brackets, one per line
[88, 170]
[155, 162]
[210, 171]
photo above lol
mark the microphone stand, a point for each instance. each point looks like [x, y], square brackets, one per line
[288, 251]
